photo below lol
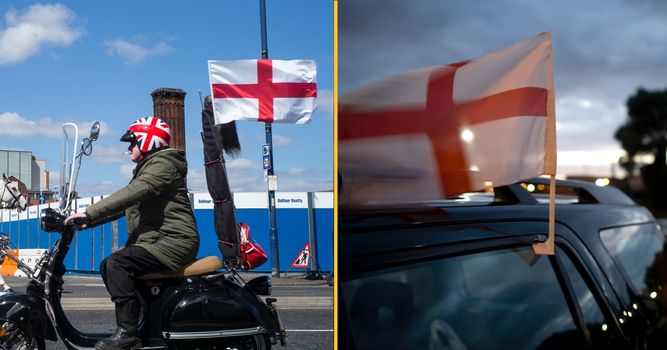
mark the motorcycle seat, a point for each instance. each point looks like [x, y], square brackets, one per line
[198, 267]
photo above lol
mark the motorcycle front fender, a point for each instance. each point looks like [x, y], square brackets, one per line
[28, 312]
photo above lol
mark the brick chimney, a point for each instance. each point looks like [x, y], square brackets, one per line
[169, 105]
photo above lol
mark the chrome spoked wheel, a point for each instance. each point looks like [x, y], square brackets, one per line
[14, 337]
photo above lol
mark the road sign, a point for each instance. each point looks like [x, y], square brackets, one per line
[266, 156]
[301, 260]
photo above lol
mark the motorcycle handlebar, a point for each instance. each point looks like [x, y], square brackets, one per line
[76, 222]
[53, 220]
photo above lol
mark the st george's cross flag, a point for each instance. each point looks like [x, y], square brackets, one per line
[273, 91]
[437, 132]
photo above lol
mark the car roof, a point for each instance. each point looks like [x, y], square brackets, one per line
[590, 209]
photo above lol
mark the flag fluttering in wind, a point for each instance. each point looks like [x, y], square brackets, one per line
[263, 90]
[441, 131]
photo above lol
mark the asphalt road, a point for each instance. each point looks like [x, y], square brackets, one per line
[305, 308]
[307, 329]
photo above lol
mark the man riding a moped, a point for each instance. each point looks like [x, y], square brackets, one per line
[164, 298]
[162, 234]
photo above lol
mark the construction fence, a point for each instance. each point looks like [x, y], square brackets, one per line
[301, 217]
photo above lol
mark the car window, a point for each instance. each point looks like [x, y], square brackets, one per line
[603, 332]
[505, 299]
[639, 250]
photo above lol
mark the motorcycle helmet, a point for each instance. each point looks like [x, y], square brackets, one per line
[149, 134]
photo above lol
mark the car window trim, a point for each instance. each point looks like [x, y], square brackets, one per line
[361, 265]
[591, 283]
[617, 263]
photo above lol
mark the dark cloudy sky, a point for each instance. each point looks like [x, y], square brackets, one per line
[603, 51]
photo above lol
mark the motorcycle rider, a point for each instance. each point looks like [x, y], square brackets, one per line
[162, 233]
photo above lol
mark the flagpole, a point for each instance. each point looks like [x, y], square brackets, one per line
[273, 230]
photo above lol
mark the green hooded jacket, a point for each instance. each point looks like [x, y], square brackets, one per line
[157, 208]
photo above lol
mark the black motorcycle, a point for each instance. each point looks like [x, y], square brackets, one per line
[197, 307]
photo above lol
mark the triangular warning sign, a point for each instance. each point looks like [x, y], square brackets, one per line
[301, 260]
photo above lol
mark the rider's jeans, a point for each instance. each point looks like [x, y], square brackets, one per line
[120, 269]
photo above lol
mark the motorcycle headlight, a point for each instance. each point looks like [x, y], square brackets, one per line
[51, 220]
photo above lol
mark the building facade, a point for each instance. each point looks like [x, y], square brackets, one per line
[40, 177]
[32, 172]
[18, 164]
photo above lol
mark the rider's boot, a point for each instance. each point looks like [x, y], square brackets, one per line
[127, 334]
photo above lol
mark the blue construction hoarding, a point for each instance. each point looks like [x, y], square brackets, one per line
[292, 213]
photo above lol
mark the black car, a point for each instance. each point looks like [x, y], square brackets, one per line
[461, 274]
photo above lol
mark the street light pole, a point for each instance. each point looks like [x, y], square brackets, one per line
[273, 230]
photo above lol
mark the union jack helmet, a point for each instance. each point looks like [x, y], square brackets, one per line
[148, 133]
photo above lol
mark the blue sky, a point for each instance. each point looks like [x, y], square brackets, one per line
[80, 61]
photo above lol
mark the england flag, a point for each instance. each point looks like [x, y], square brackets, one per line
[441, 131]
[263, 90]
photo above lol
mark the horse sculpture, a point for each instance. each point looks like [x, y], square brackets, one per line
[13, 194]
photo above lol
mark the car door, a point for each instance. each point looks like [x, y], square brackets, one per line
[491, 293]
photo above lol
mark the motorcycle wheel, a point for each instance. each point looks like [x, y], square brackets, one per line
[251, 342]
[17, 338]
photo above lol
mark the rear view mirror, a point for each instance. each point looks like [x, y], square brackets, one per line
[94, 131]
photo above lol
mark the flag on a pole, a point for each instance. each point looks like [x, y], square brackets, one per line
[441, 131]
[271, 91]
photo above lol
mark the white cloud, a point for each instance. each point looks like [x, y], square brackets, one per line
[281, 141]
[126, 171]
[54, 179]
[296, 171]
[242, 164]
[325, 102]
[309, 171]
[84, 128]
[586, 123]
[594, 161]
[14, 125]
[251, 179]
[197, 180]
[195, 144]
[133, 52]
[277, 140]
[242, 177]
[246, 180]
[302, 184]
[87, 189]
[603, 157]
[106, 183]
[109, 154]
[41, 25]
